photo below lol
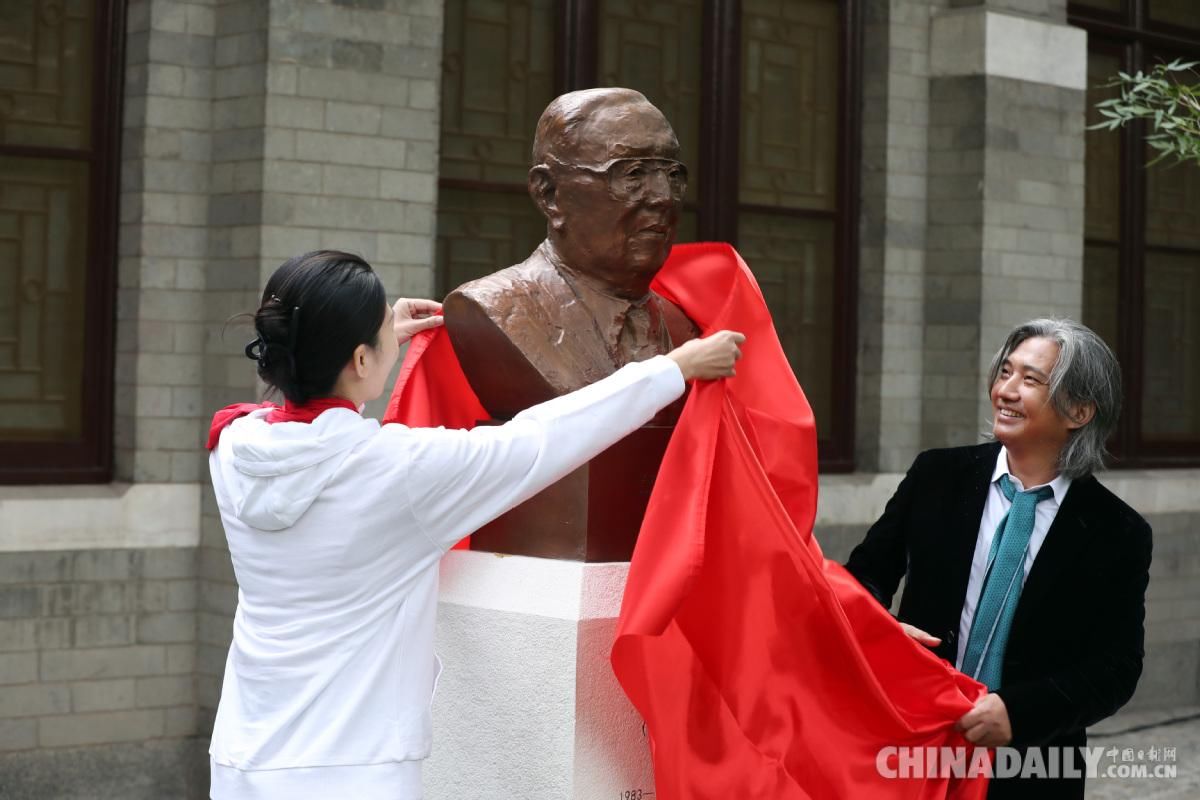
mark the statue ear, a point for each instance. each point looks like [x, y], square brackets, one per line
[544, 193]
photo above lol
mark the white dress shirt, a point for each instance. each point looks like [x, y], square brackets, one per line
[993, 511]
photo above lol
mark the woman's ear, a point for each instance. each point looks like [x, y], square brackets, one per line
[545, 195]
[359, 360]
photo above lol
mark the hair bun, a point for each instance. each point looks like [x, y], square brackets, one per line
[344, 306]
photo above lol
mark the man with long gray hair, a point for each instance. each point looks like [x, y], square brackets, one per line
[1021, 568]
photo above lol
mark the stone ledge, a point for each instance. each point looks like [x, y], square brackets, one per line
[116, 515]
[540, 587]
[974, 41]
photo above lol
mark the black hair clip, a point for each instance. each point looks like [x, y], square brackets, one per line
[254, 350]
[293, 329]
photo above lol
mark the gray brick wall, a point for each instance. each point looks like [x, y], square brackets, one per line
[895, 186]
[96, 647]
[236, 215]
[1171, 676]
[952, 383]
[163, 243]
[1005, 235]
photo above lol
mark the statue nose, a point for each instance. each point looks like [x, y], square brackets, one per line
[658, 188]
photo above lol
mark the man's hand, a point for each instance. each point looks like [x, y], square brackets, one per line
[919, 635]
[410, 317]
[987, 723]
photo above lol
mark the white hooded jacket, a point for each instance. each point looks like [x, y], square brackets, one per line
[335, 529]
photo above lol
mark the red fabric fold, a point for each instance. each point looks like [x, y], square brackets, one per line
[762, 670]
[431, 389]
[225, 417]
[290, 412]
[307, 412]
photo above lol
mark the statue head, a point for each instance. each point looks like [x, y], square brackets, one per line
[606, 177]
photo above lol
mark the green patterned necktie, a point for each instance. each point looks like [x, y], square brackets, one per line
[1002, 583]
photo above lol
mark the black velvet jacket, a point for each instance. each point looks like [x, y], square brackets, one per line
[1075, 651]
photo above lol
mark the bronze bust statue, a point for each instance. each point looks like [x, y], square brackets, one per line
[606, 176]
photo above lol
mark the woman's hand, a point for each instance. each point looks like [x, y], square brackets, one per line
[410, 317]
[708, 358]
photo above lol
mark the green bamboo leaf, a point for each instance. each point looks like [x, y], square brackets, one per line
[1158, 95]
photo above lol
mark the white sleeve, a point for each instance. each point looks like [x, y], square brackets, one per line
[460, 480]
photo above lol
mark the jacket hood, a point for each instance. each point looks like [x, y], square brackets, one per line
[274, 472]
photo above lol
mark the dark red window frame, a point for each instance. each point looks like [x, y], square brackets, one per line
[1140, 42]
[88, 459]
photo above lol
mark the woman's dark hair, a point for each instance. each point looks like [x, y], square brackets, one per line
[316, 309]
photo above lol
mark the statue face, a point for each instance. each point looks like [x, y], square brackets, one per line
[618, 194]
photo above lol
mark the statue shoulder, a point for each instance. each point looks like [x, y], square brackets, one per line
[491, 323]
[529, 279]
[519, 300]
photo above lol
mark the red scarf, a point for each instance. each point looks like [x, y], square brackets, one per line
[290, 412]
[762, 670]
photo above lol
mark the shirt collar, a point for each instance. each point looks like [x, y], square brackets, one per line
[1059, 485]
[608, 310]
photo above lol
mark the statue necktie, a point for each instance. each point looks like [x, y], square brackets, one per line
[1002, 583]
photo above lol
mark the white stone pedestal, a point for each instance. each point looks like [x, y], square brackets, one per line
[528, 706]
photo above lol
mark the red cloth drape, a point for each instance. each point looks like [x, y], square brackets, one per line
[763, 671]
[289, 412]
[431, 389]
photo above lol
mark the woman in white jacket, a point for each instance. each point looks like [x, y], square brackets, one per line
[336, 525]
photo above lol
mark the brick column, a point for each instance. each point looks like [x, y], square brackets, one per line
[163, 255]
[892, 263]
[325, 130]
[1053, 10]
[1005, 236]
[163, 241]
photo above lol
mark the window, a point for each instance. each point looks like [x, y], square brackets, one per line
[763, 96]
[59, 64]
[1142, 239]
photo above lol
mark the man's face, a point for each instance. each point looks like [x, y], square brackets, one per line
[620, 192]
[1022, 415]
